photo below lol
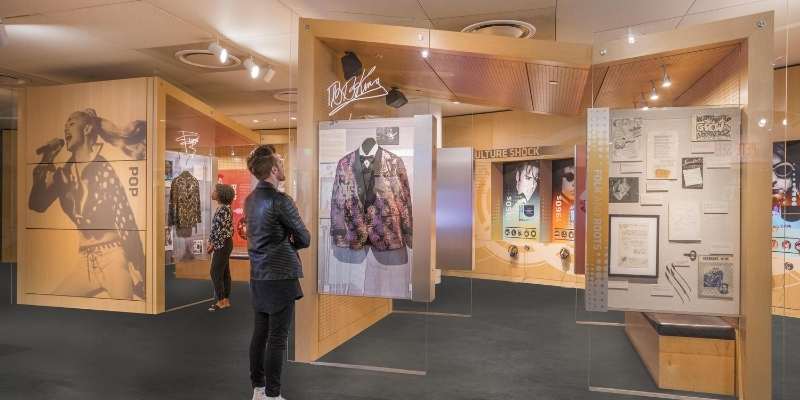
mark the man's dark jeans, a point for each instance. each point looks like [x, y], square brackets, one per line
[270, 333]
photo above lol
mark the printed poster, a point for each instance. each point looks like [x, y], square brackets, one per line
[521, 201]
[563, 212]
[627, 142]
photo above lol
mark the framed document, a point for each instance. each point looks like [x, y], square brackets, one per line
[633, 245]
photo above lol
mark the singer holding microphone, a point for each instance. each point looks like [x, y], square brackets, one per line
[110, 256]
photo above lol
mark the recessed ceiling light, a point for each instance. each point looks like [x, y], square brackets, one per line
[552, 83]
[762, 122]
[255, 121]
[274, 120]
[206, 59]
[287, 96]
[456, 102]
[785, 122]
[425, 53]
[293, 118]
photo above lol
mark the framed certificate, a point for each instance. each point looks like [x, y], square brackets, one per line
[633, 245]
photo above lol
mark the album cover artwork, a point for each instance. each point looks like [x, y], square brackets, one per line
[623, 190]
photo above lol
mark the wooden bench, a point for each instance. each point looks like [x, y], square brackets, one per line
[685, 352]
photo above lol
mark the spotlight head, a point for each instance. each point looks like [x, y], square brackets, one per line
[395, 98]
[351, 65]
[252, 67]
[665, 80]
[653, 92]
[219, 51]
[269, 74]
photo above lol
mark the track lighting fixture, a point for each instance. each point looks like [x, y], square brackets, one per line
[351, 65]
[665, 80]
[252, 67]
[425, 53]
[3, 34]
[219, 51]
[269, 74]
[631, 37]
[653, 92]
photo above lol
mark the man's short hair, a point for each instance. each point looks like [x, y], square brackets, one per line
[261, 160]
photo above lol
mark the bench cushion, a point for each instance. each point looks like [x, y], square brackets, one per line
[696, 326]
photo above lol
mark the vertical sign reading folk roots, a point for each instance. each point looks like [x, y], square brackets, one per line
[597, 210]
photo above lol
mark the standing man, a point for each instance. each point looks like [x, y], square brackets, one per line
[275, 233]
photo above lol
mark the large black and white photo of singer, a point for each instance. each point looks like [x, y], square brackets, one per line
[108, 263]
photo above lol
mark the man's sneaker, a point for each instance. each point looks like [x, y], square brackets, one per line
[259, 394]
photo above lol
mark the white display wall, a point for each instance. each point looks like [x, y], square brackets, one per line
[675, 171]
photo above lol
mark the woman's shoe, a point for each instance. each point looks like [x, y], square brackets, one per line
[215, 307]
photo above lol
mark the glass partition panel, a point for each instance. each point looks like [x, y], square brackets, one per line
[8, 158]
[664, 138]
[785, 213]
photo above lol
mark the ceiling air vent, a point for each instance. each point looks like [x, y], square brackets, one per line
[503, 27]
[286, 96]
[206, 59]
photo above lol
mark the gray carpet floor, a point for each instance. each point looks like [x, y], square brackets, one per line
[521, 342]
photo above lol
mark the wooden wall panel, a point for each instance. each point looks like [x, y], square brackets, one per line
[84, 229]
[719, 86]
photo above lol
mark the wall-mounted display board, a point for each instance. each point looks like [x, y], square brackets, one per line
[674, 204]
[84, 195]
[372, 203]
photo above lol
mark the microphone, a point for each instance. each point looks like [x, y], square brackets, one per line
[51, 147]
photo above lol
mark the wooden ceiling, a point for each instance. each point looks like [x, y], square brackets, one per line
[620, 85]
[472, 78]
[213, 135]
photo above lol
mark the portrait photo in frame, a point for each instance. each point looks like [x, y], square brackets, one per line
[633, 245]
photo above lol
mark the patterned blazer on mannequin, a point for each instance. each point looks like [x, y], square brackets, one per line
[371, 205]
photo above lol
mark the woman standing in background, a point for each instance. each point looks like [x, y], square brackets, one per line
[220, 242]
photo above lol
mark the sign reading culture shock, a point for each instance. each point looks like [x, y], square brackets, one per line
[359, 87]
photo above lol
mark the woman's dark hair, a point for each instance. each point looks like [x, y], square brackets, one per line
[225, 193]
[261, 160]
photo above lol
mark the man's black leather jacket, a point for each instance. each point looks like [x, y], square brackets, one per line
[274, 234]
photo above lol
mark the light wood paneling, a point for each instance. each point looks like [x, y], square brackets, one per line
[396, 66]
[484, 81]
[562, 98]
[625, 82]
[9, 197]
[498, 80]
[683, 363]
